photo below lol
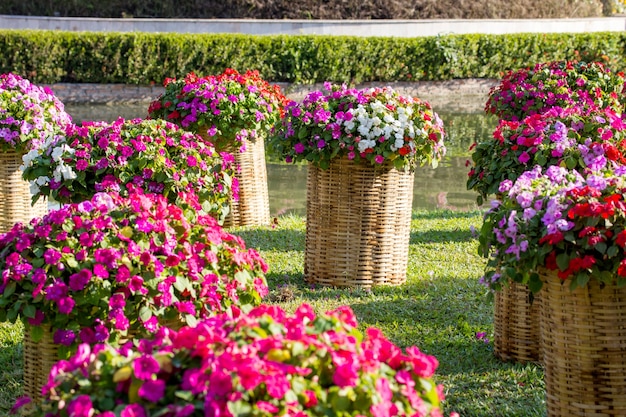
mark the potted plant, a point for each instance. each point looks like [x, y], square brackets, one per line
[236, 112]
[29, 114]
[561, 84]
[575, 137]
[154, 155]
[112, 267]
[362, 147]
[263, 363]
[564, 235]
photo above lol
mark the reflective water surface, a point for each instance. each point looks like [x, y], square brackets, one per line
[443, 187]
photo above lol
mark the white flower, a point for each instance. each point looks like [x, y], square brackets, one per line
[366, 144]
[43, 180]
[27, 160]
[67, 172]
[34, 189]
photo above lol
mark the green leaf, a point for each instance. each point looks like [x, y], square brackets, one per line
[29, 311]
[36, 333]
[145, 313]
[9, 289]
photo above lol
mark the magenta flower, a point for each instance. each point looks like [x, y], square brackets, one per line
[152, 390]
[144, 367]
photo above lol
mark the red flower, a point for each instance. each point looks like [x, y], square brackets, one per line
[552, 238]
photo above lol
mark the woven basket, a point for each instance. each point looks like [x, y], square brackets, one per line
[253, 207]
[358, 221]
[38, 360]
[39, 357]
[584, 343]
[516, 322]
[15, 197]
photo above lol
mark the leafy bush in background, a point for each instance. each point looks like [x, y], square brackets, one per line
[148, 58]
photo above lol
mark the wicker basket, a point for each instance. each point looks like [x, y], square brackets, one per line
[584, 343]
[253, 207]
[516, 321]
[39, 357]
[358, 224]
[38, 360]
[15, 197]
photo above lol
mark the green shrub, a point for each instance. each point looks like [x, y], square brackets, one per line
[145, 58]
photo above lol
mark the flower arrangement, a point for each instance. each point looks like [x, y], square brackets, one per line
[575, 138]
[225, 108]
[28, 114]
[561, 220]
[154, 155]
[259, 364]
[373, 125]
[559, 84]
[95, 270]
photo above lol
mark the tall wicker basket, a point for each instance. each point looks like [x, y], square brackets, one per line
[253, 207]
[516, 324]
[38, 360]
[358, 220]
[584, 343]
[15, 198]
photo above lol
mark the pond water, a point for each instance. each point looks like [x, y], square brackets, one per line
[439, 188]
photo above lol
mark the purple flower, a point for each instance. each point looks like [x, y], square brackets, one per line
[80, 406]
[64, 337]
[133, 410]
[152, 390]
[144, 367]
[299, 148]
[79, 280]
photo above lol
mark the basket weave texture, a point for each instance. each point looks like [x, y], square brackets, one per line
[516, 324]
[253, 207]
[358, 221]
[38, 360]
[39, 357]
[584, 342]
[15, 197]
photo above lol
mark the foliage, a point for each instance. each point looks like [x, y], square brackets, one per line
[573, 137]
[224, 108]
[263, 363]
[309, 9]
[149, 58]
[429, 311]
[95, 270]
[560, 220]
[559, 84]
[373, 125]
[154, 155]
[28, 114]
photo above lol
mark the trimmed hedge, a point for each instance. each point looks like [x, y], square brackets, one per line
[47, 57]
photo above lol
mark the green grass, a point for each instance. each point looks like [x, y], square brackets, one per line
[439, 309]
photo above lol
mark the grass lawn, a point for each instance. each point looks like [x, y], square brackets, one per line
[439, 309]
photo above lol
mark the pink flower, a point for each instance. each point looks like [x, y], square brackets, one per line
[266, 407]
[80, 406]
[144, 367]
[524, 157]
[133, 410]
[192, 161]
[379, 159]
[152, 390]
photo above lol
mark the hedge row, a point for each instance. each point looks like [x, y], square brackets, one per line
[145, 58]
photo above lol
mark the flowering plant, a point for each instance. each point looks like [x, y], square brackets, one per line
[375, 125]
[575, 138]
[92, 271]
[152, 154]
[559, 84]
[560, 220]
[28, 114]
[263, 363]
[225, 108]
